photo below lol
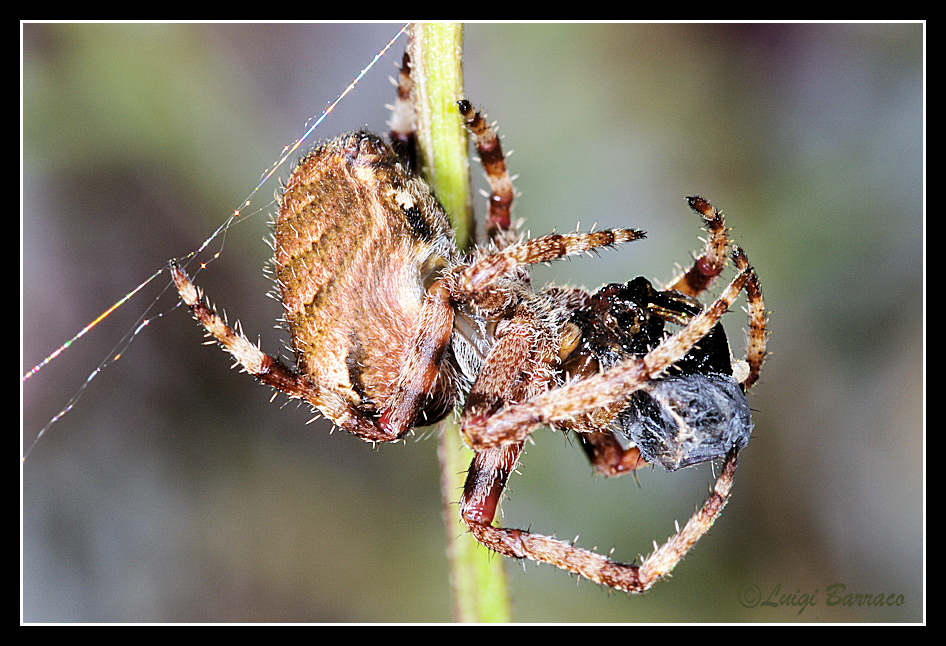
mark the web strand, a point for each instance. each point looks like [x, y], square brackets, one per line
[235, 217]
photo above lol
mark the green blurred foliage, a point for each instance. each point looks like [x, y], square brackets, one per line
[174, 491]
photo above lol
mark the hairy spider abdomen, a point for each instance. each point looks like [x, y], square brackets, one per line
[355, 239]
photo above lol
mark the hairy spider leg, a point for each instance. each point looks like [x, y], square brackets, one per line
[485, 481]
[517, 367]
[500, 228]
[271, 371]
[419, 373]
[606, 454]
[708, 265]
[502, 378]
[476, 277]
[403, 123]
[487, 476]
[758, 333]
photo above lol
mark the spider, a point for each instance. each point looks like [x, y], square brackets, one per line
[393, 327]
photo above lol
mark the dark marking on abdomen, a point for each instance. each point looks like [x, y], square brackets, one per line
[419, 224]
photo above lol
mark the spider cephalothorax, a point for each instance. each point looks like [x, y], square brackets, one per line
[392, 327]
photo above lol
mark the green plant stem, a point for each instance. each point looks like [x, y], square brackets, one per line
[478, 578]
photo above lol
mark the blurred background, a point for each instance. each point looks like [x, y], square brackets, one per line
[174, 491]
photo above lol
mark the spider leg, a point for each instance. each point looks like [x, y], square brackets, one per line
[709, 265]
[514, 423]
[419, 371]
[517, 367]
[484, 484]
[606, 454]
[271, 371]
[485, 481]
[500, 228]
[477, 276]
[403, 124]
[711, 262]
[758, 333]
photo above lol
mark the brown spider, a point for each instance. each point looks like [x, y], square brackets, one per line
[393, 327]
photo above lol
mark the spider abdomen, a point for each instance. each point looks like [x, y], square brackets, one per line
[354, 238]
